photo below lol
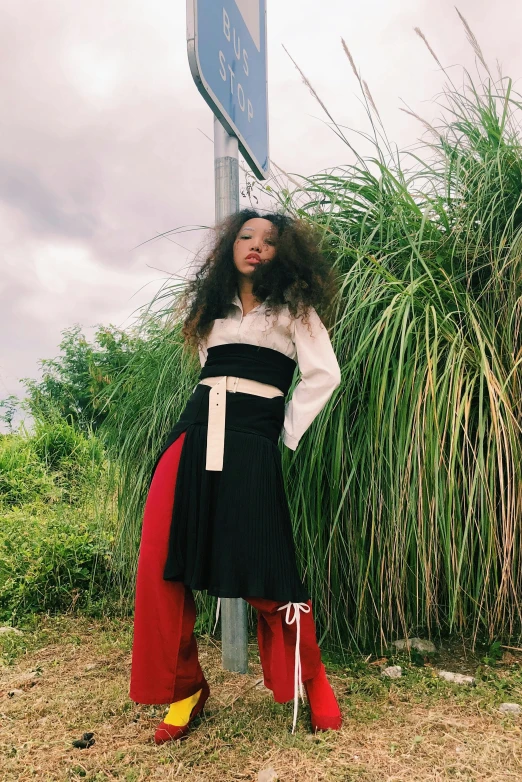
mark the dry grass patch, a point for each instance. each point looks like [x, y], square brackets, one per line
[74, 675]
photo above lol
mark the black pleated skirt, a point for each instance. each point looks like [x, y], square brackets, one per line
[231, 531]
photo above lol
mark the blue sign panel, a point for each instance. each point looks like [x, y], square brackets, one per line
[227, 55]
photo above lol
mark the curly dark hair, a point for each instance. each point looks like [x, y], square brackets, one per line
[299, 276]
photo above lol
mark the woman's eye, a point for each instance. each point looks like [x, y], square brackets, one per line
[269, 242]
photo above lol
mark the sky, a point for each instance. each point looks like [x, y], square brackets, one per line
[105, 142]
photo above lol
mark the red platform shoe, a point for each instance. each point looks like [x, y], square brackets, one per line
[166, 732]
[324, 709]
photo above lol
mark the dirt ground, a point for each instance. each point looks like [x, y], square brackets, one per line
[72, 676]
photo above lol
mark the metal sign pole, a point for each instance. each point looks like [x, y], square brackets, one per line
[234, 638]
[226, 172]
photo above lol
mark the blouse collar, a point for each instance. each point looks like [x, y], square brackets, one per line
[237, 301]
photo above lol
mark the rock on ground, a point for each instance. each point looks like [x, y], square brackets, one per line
[26, 679]
[510, 708]
[421, 645]
[392, 671]
[10, 630]
[267, 775]
[456, 678]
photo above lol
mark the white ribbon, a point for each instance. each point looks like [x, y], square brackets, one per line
[217, 614]
[298, 680]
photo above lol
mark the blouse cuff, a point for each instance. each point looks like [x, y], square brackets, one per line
[291, 442]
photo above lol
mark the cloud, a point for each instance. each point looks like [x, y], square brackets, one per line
[45, 209]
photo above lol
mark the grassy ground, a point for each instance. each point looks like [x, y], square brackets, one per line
[74, 672]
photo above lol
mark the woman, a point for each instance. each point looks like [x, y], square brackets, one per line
[216, 515]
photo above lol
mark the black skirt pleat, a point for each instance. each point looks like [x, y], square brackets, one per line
[231, 531]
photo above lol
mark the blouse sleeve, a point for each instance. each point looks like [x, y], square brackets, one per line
[320, 376]
[202, 350]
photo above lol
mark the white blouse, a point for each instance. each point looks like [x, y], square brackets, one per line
[314, 354]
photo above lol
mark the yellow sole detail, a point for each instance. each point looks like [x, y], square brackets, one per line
[179, 712]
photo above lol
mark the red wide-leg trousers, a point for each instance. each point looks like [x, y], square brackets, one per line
[165, 665]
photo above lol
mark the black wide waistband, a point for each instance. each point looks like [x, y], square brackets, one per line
[253, 362]
[244, 412]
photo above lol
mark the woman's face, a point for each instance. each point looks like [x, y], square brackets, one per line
[255, 244]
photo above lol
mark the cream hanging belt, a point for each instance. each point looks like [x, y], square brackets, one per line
[217, 407]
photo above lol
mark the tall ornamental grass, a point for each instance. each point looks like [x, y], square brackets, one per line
[406, 492]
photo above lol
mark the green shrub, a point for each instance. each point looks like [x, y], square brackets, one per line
[56, 463]
[51, 560]
[75, 460]
[23, 477]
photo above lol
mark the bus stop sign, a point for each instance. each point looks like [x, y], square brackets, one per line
[226, 43]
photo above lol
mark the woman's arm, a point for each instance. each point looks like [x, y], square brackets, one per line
[320, 376]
